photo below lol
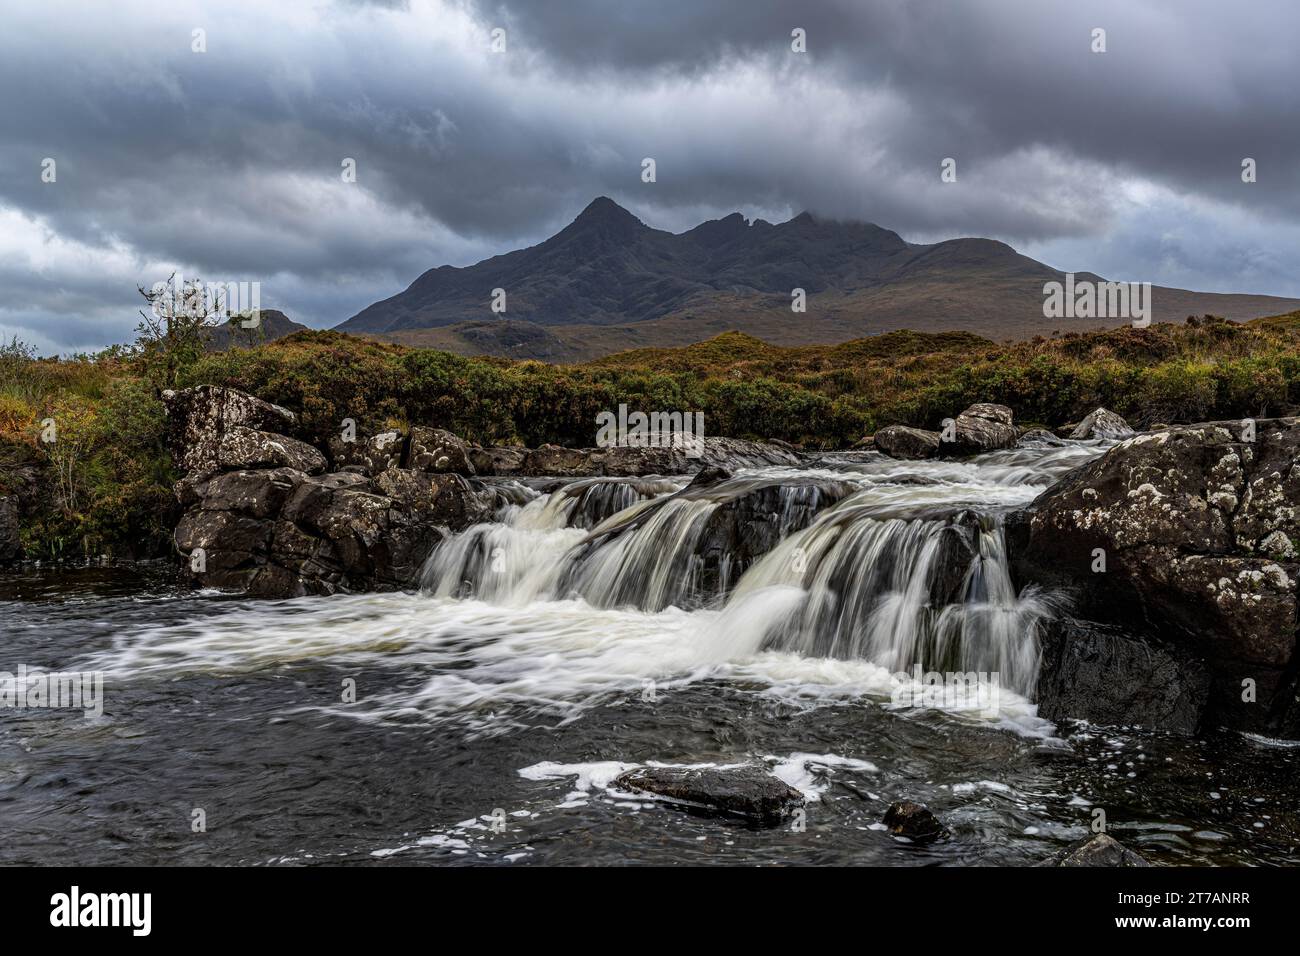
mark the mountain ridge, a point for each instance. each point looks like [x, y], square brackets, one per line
[608, 280]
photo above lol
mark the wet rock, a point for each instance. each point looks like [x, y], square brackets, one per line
[11, 549]
[1101, 423]
[749, 525]
[199, 417]
[242, 447]
[600, 498]
[958, 546]
[734, 453]
[748, 521]
[370, 455]
[1101, 850]
[1039, 436]
[908, 444]
[981, 428]
[438, 451]
[912, 820]
[749, 792]
[1102, 675]
[1197, 529]
[708, 476]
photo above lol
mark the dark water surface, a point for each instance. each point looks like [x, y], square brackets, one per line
[287, 773]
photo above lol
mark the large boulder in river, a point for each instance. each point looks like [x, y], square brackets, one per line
[749, 792]
[1101, 423]
[906, 443]
[981, 428]
[1100, 674]
[1189, 536]
[200, 417]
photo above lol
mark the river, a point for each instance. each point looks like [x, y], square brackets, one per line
[483, 719]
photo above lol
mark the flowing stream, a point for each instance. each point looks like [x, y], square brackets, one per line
[784, 616]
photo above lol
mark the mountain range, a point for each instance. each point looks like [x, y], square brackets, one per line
[608, 282]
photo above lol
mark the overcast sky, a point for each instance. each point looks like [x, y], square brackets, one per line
[226, 164]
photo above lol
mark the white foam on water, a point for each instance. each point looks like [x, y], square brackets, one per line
[810, 773]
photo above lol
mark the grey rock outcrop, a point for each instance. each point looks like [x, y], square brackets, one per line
[1101, 423]
[907, 443]
[981, 428]
[1197, 529]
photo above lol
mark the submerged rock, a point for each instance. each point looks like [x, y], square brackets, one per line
[708, 476]
[1101, 850]
[1100, 674]
[914, 821]
[1101, 423]
[906, 443]
[749, 792]
[1189, 534]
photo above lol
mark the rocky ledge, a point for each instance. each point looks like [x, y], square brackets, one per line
[1184, 543]
[265, 515]
[268, 512]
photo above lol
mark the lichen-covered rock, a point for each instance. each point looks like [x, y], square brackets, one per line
[981, 428]
[750, 792]
[906, 443]
[1195, 530]
[1101, 423]
[243, 447]
[369, 455]
[199, 417]
[438, 451]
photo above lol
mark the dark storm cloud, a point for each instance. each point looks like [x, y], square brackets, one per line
[226, 163]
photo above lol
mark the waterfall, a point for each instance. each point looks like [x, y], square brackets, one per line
[888, 573]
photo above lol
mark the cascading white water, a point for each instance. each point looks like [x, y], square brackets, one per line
[805, 584]
[908, 570]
